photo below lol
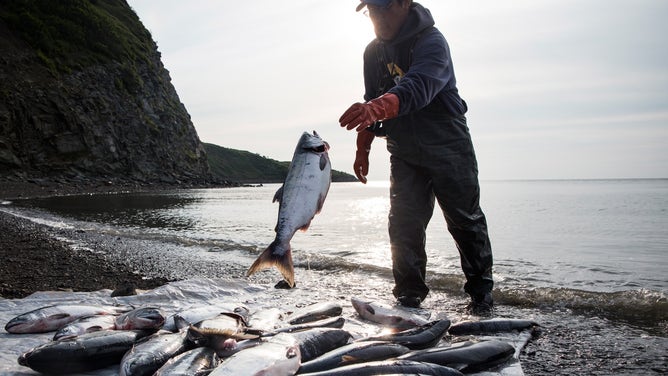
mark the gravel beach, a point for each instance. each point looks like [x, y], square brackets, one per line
[33, 259]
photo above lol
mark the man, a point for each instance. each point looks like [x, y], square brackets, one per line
[413, 102]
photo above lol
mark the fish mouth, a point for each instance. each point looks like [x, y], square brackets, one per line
[23, 359]
[320, 148]
[154, 318]
[315, 144]
[14, 324]
[150, 319]
[358, 304]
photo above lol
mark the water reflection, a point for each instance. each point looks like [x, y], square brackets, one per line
[149, 210]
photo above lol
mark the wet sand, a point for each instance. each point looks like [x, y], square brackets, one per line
[33, 259]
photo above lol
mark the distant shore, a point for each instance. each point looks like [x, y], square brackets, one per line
[43, 188]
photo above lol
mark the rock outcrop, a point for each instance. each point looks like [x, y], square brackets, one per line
[84, 96]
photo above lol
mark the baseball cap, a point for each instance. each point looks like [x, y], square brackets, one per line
[380, 3]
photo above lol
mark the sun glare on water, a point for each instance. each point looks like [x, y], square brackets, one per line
[369, 219]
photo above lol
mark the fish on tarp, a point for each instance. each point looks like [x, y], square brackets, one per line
[230, 348]
[220, 332]
[54, 317]
[332, 322]
[224, 321]
[196, 362]
[85, 325]
[279, 355]
[356, 352]
[300, 198]
[193, 315]
[86, 352]
[468, 358]
[266, 320]
[315, 342]
[388, 367]
[421, 337]
[221, 340]
[152, 352]
[385, 315]
[491, 326]
[141, 318]
[315, 312]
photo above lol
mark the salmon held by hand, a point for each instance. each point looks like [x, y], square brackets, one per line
[301, 197]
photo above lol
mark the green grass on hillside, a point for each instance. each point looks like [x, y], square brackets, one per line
[71, 34]
[246, 167]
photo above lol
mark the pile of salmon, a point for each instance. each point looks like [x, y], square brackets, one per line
[231, 340]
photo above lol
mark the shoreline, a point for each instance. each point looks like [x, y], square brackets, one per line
[12, 190]
[35, 260]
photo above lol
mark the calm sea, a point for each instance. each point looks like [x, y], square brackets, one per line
[596, 236]
[593, 235]
[579, 255]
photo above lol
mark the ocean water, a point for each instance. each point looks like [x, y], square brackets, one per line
[584, 257]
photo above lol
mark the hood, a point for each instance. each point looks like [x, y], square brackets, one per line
[419, 18]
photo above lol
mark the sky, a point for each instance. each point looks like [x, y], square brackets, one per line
[556, 89]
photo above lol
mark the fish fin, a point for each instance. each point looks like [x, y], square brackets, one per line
[348, 359]
[278, 196]
[254, 332]
[282, 262]
[306, 226]
[194, 334]
[321, 202]
[244, 336]
[323, 161]
[180, 323]
[118, 310]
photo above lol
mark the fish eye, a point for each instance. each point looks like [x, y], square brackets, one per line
[291, 353]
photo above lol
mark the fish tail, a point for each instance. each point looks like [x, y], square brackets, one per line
[281, 260]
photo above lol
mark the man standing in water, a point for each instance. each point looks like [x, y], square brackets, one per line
[413, 102]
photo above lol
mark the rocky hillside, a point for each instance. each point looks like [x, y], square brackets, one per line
[84, 96]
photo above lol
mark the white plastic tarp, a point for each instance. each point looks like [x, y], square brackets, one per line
[172, 298]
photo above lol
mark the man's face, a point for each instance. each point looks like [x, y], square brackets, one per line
[388, 20]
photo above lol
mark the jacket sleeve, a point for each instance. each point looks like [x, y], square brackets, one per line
[430, 72]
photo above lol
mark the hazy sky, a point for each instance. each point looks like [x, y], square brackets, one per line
[555, 88]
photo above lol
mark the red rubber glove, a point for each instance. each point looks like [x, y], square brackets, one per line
[361, 164]
[362, 115]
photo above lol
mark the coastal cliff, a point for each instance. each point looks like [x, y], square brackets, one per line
[85, 97]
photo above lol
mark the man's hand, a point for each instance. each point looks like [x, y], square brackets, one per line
[362, 115]
[361, 165]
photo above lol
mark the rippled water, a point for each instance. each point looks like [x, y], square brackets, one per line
[600, 236]
[581, 255]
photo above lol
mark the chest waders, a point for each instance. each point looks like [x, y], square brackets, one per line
[432, 160]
